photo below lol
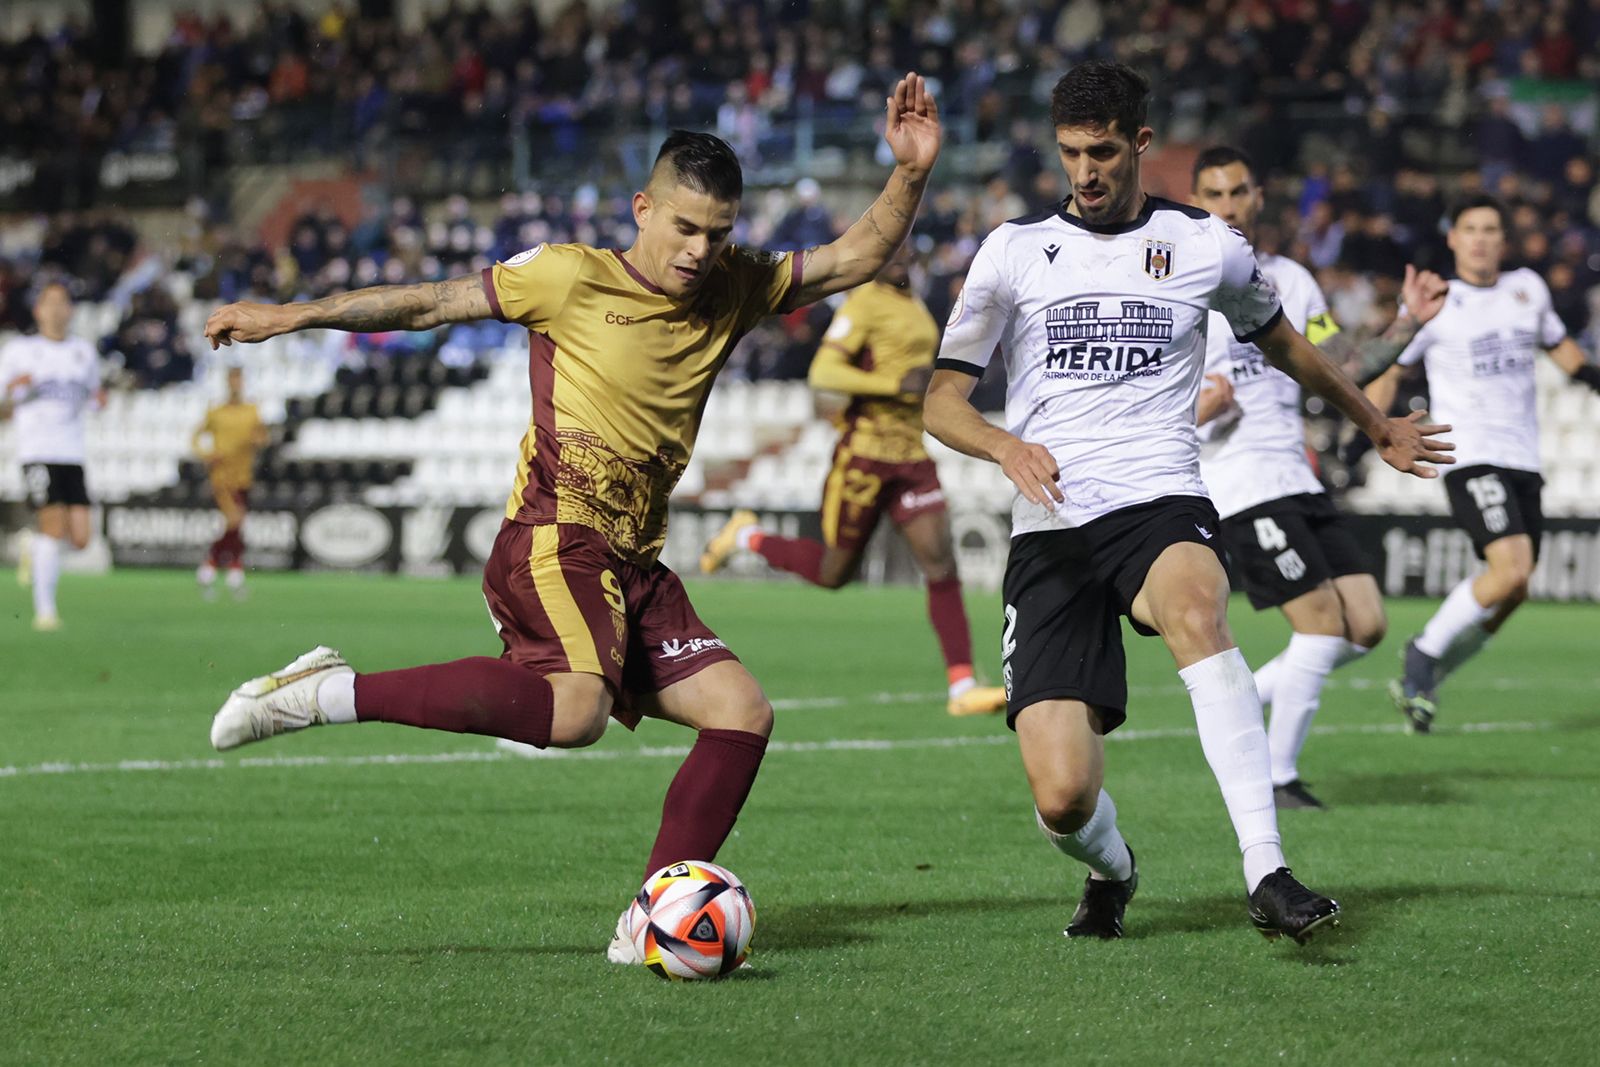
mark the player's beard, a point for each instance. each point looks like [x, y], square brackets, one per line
[1111, 207]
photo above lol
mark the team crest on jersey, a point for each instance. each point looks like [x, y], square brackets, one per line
[1521, 295]
[523, 257]
[1158, 259]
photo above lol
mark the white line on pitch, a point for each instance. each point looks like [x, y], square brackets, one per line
[864, 744]
[1174, 689]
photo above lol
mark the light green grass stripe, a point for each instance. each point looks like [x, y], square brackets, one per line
[675, 751]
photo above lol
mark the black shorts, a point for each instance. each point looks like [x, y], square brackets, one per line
[1064, 591]
[1494, 502]
[1287, 547]
[54, 483]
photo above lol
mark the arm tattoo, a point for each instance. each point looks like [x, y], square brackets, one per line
[381, 307]
[1378, 354]
[399, 307]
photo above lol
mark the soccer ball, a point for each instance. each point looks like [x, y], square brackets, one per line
[692, 920]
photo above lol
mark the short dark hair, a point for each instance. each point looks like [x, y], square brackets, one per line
[1477, 200]
[1223, 155]
[703, 162]
[1098, 93]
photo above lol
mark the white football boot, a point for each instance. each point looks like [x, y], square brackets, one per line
[622, 949]
[276, 703]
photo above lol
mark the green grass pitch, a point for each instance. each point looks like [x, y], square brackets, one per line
[304, 905]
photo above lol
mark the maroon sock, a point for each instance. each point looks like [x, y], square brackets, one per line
[216, 555]
[705, 796]
[949, 617]
[237, 545]
[480, 695]
[797, 555]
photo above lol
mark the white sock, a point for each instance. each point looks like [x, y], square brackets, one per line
[1098, 844]
[1350, 653]
[1306, 664]
[1267, 673]
[1267, 679]
[205, 574]
[1459, 612]
[1228, 715]
[235, 577]
[1468, 643]
[336, 696]
[46, 573]
[742, 538]
[962, 686]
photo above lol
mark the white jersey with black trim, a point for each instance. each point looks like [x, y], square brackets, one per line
[1257, 452]
[64, 376]
[1103, 332]
[1479, 353]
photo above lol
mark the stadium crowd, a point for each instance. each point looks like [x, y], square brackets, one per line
[1355, 194]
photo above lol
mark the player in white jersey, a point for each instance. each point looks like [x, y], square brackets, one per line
[47, 382]
[1290, 548]
[1099, 308]
[1479, 355]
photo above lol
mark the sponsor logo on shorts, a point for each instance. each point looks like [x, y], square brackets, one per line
[911, 500]
[675, 649]
[1290, 565]
[1203, 531]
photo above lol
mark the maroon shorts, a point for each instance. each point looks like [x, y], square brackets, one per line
[564, 602]
[858, 491]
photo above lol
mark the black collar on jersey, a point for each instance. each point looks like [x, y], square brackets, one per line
[1152, 204]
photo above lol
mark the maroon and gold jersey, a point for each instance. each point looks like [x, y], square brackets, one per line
[878, 335]
[237, 434]
[620, 373]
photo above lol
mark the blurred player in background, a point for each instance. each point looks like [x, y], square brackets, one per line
[624, 349]
[47, 383]
[1289, 545]
[1099, 307]
[878, 352]
[1479, 353]
[228, 441]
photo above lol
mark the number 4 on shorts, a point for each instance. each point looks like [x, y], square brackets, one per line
[1270, 535]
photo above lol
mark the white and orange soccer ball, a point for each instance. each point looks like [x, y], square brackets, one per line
[692, 920]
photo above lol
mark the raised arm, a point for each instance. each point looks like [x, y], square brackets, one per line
[948, 414]
[914, 133]
[1422, 296]
[379, 308]
[1405, 444]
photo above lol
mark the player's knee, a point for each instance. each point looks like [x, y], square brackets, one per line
[939, 569]
[1368, 631]
[756, 717]
[79, 539]
[1065, 807]
[1319, 612]
[580, 715]
[750, 712]
[1197, 621]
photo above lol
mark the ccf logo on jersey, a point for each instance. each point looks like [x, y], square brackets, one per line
[1158, 259]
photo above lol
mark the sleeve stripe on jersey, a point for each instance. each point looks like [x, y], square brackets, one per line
[1262, 330]
[960, 365]
[797, 273]
[494, 298]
